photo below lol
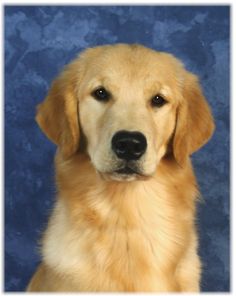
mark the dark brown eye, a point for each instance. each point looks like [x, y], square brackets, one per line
[101, 94]
[158, 101]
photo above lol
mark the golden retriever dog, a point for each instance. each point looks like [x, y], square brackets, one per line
[125, 119]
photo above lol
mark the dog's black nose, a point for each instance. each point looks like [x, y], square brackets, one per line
[129, 145]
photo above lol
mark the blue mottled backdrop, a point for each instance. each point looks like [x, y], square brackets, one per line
[39, 41]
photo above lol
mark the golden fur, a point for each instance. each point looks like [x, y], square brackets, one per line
[111, 232]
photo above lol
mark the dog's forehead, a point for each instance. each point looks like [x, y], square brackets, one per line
[132, 64]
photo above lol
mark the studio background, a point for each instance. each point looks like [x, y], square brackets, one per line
[39, 41]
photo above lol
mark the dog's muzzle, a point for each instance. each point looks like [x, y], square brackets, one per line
[128, 147]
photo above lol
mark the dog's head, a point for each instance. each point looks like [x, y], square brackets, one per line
[132, 105]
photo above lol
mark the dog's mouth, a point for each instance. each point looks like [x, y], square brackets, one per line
[127, 171]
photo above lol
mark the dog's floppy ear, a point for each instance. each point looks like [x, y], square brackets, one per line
[194, 122]
[57, 115]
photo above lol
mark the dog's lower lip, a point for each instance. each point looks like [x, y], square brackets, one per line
[126, 170]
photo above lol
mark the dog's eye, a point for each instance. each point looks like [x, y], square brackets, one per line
[158, 101]
[101, 94]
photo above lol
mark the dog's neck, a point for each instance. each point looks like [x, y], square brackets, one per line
[81, 187]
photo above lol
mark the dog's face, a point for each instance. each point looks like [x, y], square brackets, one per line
[127, 111]
[131, 104]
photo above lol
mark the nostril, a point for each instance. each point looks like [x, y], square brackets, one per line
[129, 145]
[137, 147]
[121, 146]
